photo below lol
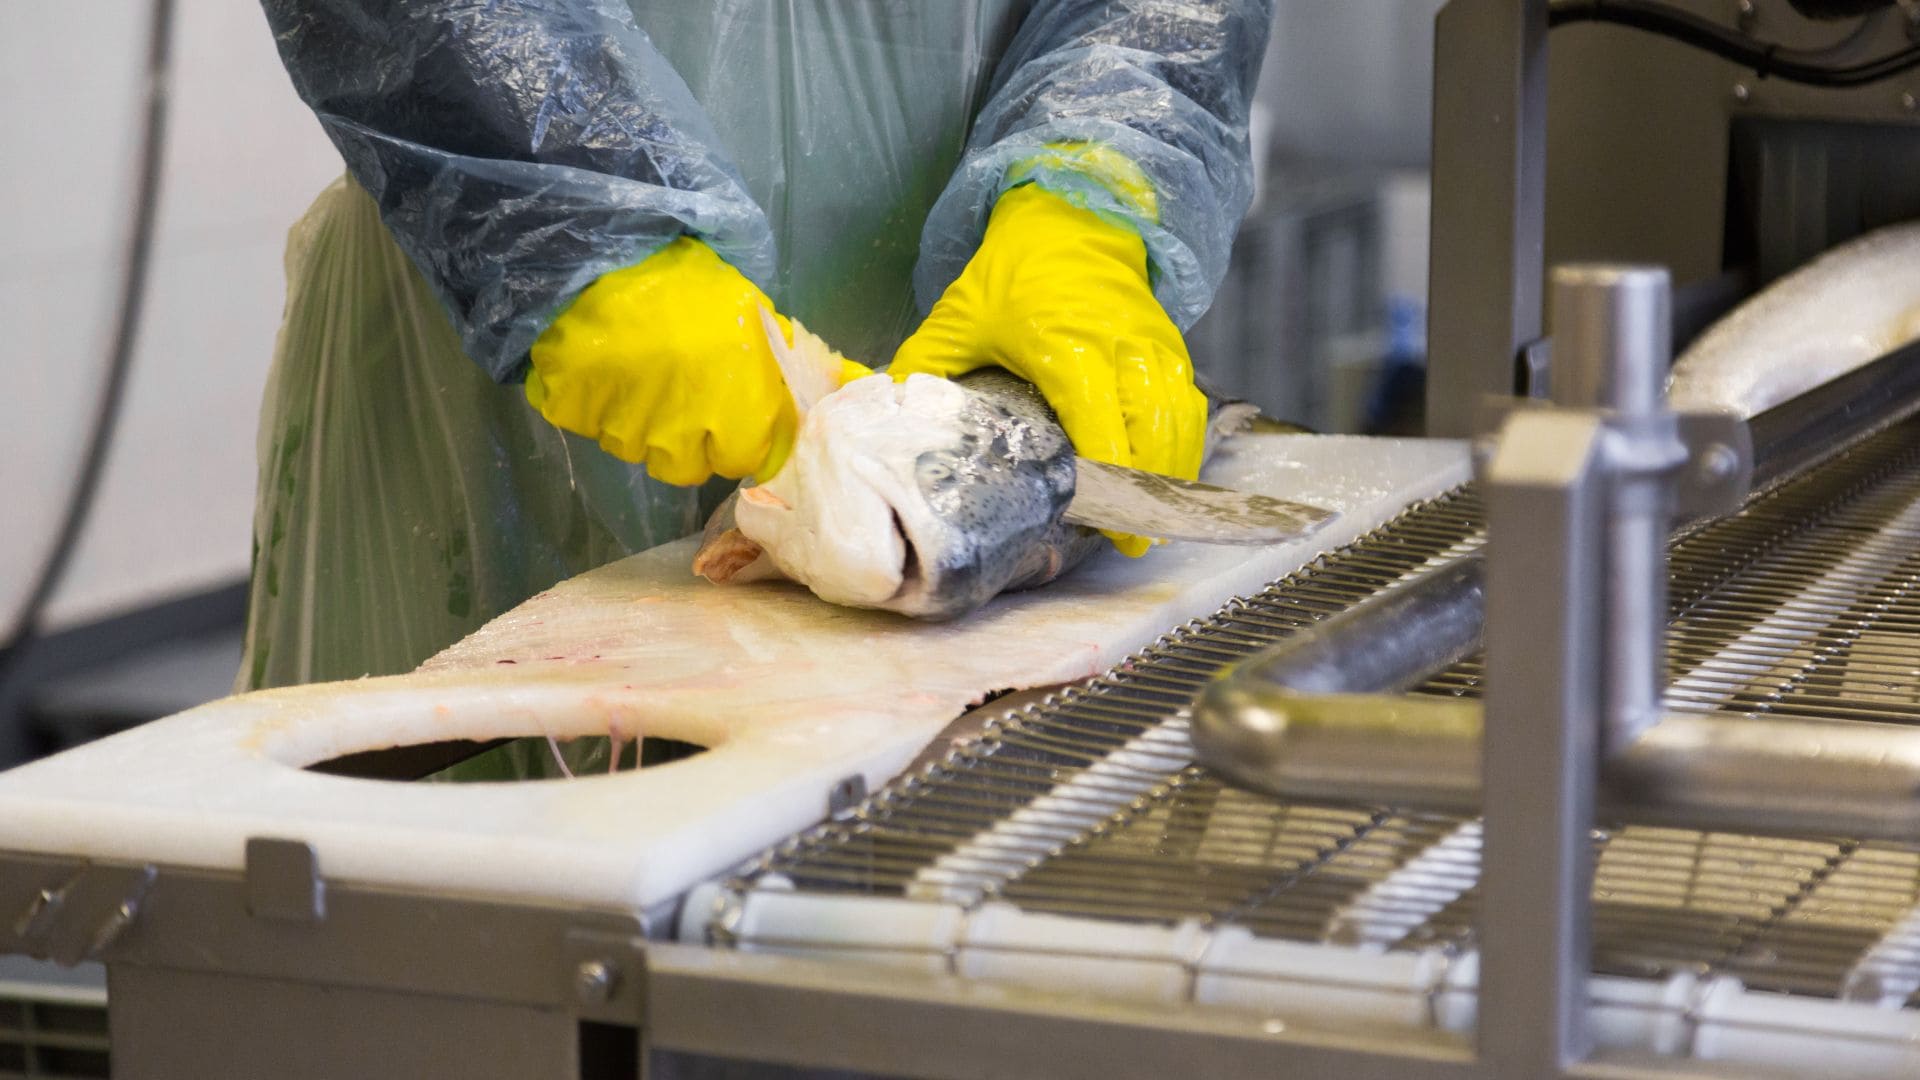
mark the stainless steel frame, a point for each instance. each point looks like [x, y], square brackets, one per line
[277, 972]
[1579, 497]
[1489, 205]
[1578, 504]
[1537, 164]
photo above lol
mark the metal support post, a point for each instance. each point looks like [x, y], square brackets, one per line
[1578, 505]
[1614, 334]
[1540, 751]
[1489, 203]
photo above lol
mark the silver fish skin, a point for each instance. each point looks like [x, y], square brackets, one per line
[975, 495]
[1845, 309]
[998, 495]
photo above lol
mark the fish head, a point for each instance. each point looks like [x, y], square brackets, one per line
[919, 496]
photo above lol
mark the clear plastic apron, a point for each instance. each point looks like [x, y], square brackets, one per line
[405, 498]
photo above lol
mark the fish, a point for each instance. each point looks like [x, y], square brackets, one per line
[925, 497]
[1844, 310]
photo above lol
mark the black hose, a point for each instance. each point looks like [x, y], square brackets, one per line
[1767, 60]
[1838, 9]
[133, 289]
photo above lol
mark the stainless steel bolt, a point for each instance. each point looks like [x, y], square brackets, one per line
[47, 898]
[1741, 93]
[1908, 101]
[1718, 462]
[1747, 13]
[594, 981]
[113, 926]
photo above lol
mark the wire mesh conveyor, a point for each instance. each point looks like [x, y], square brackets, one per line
[1807, 603]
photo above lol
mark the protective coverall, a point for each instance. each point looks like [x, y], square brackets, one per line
[845, 155]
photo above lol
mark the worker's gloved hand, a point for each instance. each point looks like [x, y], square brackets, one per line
[1059, 296]
[667, 363]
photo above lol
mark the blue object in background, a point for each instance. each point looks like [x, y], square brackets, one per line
[1400, 389]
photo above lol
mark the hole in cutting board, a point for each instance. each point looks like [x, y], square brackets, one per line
[467, 761]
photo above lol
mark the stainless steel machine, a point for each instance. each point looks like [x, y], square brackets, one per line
[1680, 836]
[1584, 877]
[1603, 140]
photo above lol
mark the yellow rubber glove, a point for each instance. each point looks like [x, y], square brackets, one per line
[667, 362]
[1059, 296]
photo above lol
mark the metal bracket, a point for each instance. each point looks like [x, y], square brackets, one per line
[1715, 481]
[1719, 471]
[283, 881]
[846, 795]
[81, 917]
[1536, 370]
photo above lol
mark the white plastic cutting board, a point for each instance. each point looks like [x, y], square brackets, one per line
[790, 694]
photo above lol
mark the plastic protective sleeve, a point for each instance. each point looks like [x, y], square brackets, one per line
[1168, 83]
[516, 149]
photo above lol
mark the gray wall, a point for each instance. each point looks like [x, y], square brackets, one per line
[243, 159]
[1351, 80]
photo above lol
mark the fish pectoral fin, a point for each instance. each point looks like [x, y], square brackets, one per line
[811, 368]
[1148, 504]
[1233, 418]
[762, 497]
[730, 558]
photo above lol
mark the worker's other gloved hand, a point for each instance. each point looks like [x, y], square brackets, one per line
[667, 363]
[1059, 296]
